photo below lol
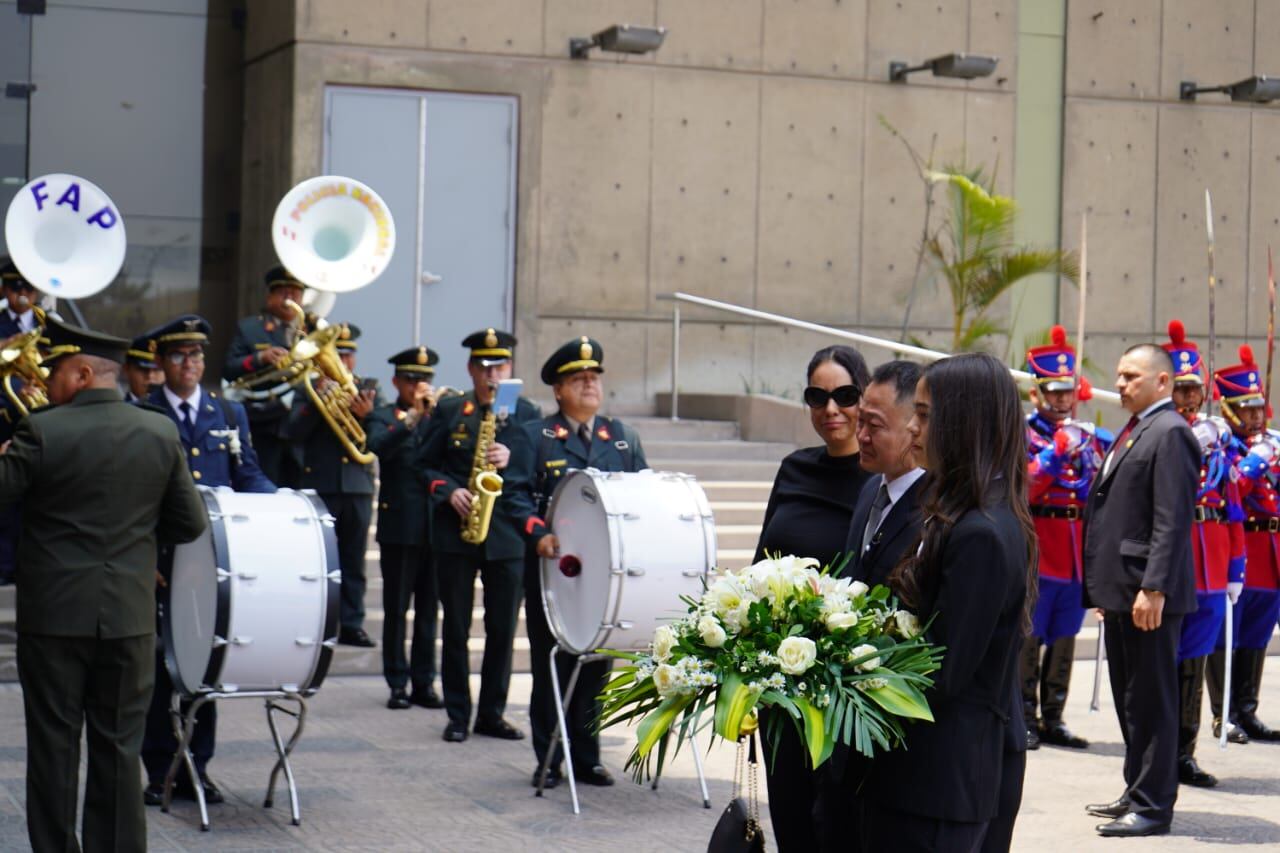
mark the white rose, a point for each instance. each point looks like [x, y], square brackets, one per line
[663, 641]
[867, 665]
[665, 679]
[712, 634]
[908, 624]
[858, 588]
[796, 655]
[838, 620]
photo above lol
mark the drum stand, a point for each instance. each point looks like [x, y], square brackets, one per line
[184, 726]
[562, 733]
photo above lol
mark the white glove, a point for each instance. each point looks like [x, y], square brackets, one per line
[1233, 591]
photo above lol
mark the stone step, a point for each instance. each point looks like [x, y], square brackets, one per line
[743, 451]
[736, 537]
[665, 429]
[739, 512]
[737, 490]
[720, 469]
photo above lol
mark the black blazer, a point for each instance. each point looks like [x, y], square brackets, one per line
[1139, 516]
[898, 531]
[951, 768]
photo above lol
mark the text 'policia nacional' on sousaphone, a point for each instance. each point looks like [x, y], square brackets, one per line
[67, 238]
[335, 235]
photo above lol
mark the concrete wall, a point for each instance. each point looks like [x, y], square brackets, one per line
[744, 161]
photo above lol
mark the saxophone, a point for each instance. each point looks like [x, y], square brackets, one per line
[485, 485]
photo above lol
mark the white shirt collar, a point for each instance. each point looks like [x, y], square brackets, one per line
[898, 487]
[573, 425]
[25, 321]
[175, 402]
[1149, 409]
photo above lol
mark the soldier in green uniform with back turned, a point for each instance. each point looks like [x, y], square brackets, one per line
[100, 481]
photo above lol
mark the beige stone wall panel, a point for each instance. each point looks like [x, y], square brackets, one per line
[712, 33]
[1109, 170]
[566, 19]
[993, 30]
[1209, 43]
[270, 26]
[594, 181]
[714, 357]
[624, 345]
[811, 141]
[823, 38]
[382, 23]
[1266, 35]
[1114, 54]
[492, 26]
[914, 30]
[893, 200]
[705, 172]
[1202, 147]
[1264, 216]
[268, 167]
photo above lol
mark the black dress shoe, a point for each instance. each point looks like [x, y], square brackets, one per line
[596, 774]
[1133, 826]
[1056, 733]
[182, 789]
[212, 793]
[399, 699]
[355, 637]
[1033, 737]
[1256, 729]
[498, 728]
[1234, 735]
[552, 779]
[1190, 773]
[1114, 809]
[428, 698]
[153, 794]
[455, 732]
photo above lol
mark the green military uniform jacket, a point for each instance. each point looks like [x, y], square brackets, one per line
[99, 480]
[326, 465]
[558, 450]
[445, 461]
[402, 493]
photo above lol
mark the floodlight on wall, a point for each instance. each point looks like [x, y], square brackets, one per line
[963, 66]
[620, 38]
[1256, 90]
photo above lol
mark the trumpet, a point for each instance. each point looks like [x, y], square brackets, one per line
[20, 358]
[278, 379]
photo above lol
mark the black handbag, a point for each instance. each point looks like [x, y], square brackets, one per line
[739, 829]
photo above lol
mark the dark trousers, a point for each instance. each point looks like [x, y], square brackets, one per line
[1144, 682]
[902, 832]
[70, 684]
[159, 744]
[999, 835]
[409, 574]
[352, 515]
[1045, 683]
[584, 709]
[456, 574]
[275, 455]
[792, 784]
[836, 812]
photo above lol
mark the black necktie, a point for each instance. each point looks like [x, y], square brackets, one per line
[877, 513]
[1119, 443]
[584, 435]
[188, 422]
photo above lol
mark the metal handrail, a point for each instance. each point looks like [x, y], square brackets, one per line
[868, 340]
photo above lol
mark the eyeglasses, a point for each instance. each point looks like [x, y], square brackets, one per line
[846, 396]
[177, 358]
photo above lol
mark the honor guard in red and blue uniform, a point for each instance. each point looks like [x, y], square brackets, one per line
[575, 437]
[446, 460]
[1065, 456]
[1217, 541]
[408, 569]
[216, 440]
[1256, 453]
[259, 342]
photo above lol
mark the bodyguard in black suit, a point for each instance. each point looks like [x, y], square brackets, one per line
[1140, 572]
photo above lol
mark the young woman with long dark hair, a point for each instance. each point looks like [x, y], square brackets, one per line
[970, 580]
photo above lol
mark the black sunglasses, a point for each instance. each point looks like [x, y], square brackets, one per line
[846, 396]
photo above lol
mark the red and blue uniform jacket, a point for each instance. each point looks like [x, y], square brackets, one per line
[1059, 489]
[1257, 463]
[1217, 537]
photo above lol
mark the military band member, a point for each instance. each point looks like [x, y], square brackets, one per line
[1257, 453]
[1217, 541]
[575, 437]
[100, 481]
[261, 341]
[346, 487]
[1065, 457]
[215, 440]
[142, 374]
[408, 569]
[446, 461]
[20, 299]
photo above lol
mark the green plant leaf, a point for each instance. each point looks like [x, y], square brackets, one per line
[655, 726]
[735, 699]
[815, 733]
[901, 699]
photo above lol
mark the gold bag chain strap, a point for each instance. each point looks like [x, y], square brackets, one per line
[747, 755]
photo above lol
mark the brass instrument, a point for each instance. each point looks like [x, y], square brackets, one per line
[20, 357]
[485, 484]
[317, 353]
[276, 380]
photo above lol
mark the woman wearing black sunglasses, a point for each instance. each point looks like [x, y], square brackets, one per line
[808, 515]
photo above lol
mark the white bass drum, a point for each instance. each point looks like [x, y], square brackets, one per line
[630, 545]
[252, 605]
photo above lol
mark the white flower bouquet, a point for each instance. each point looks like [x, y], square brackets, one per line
[841, 660]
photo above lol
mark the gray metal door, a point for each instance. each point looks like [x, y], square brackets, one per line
[445, 165]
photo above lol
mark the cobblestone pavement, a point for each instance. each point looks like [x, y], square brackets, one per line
[373, 779]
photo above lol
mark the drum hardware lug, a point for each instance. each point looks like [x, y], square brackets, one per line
[335, 575]
[305, 642]
[625, 625]
[302, 519]
[635, 572]
[289, 688]
[223, 574]
[628, 516]
[330, 644]
[242, 641]
[692, 573]
[688, 516]
[311, 577]
[617, 571]
[239, 516]
[219, 642]
[621, 626]
[247, 576]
